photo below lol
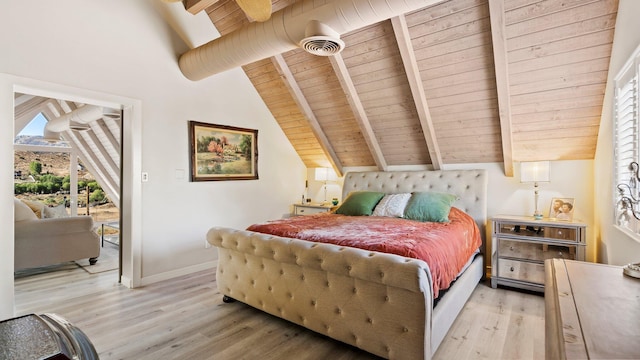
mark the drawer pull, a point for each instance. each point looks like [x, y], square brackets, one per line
[511, 248]
[512, 269]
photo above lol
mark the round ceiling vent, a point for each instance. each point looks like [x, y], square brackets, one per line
[322, 45]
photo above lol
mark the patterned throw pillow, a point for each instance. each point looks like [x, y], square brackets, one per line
[392, 205]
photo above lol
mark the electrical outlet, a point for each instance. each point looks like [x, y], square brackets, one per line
[145, 176]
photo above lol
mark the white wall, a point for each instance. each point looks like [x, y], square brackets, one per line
[614, 246]
[125, 47]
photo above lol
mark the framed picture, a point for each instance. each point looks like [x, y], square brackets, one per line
[219, 152]
[562, 209]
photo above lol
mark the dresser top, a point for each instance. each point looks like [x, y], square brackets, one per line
[605, 306]
[544, 221]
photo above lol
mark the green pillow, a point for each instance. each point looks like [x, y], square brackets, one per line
[429, 206]
[360, 203]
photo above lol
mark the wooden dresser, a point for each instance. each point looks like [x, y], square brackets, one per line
[592, 311]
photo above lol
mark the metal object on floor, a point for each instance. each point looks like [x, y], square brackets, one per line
[45, 336]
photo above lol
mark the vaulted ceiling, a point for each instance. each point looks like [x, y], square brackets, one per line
[459, 81]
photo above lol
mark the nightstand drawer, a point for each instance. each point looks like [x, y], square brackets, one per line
[539, 231]
[560, 233]
[535, 251]
[309, 209]
[521, 270]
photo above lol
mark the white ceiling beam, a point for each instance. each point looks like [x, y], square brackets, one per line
[26, 111]
[111, 188]
[102, 132]
[498, 37]
[340, 68]
[111, 166]
[114, 127]
[407, 54]
[303, 104]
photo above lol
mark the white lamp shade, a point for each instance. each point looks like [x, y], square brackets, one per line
[534, 171]
[325, 174]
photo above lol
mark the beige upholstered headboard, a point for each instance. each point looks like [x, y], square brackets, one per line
[469, 185]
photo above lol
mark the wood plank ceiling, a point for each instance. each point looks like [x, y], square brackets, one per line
[461, 81]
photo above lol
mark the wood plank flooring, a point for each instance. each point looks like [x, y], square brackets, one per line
[185, 318]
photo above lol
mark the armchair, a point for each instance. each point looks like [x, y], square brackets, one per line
[49, 241]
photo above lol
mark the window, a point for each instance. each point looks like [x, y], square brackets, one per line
[626, 143]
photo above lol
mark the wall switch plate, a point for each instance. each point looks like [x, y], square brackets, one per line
[145, 176]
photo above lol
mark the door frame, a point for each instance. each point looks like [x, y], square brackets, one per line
[131, 165]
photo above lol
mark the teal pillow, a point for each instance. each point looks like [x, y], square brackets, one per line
[429, 206]
[360, 203]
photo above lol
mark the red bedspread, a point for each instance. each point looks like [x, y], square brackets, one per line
[445, 247]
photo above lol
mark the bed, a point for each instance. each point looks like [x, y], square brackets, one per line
[382, 303]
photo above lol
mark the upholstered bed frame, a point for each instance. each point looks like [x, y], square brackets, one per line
[378, 302]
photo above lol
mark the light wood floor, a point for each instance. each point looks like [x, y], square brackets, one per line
[185, 318]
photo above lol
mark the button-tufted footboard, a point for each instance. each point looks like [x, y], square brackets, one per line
[378, 302]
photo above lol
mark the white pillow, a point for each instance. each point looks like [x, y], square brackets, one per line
[392, 205]
[54, 212]
[22, 212]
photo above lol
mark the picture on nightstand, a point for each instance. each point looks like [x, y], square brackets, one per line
[562, 209]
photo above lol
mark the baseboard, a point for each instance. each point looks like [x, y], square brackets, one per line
[178, 272]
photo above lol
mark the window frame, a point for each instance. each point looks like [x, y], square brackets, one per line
[627, 135]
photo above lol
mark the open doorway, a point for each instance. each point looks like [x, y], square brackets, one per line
[67, 163]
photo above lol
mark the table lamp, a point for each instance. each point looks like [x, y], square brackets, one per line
[535, 172]
[324, 175]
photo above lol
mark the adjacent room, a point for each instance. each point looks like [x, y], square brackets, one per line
[344, 179]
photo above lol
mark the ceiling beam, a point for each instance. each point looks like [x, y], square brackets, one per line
[26, 112]
[286, 75]
[114, 127]
[103, 132]
[498, 37]
[110, 187]
[407, 54]
[340, 68]
[110, 165]
[195, 6]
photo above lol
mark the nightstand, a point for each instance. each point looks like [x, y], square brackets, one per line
[310, 209]
[520, 245]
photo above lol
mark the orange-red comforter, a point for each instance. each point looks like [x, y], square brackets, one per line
[445, 247]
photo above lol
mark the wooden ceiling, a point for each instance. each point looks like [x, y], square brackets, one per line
[461, 81]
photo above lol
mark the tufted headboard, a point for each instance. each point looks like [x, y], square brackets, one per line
[469, 185]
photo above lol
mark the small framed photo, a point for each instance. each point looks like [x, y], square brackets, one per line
[220, 152]
[562, 209]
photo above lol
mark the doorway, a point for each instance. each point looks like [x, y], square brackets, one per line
[131, 229]
[67, 163]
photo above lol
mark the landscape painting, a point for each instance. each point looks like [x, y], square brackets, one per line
[220, 152]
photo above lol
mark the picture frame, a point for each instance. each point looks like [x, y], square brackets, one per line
[562, 209]
[221, 152]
